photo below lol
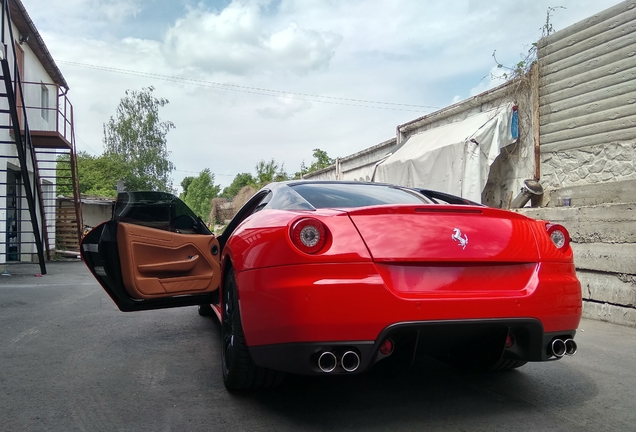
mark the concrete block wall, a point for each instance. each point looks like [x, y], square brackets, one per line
[587, 100]
[587, 111]
[604, 245]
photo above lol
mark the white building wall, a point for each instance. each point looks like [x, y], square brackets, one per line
[34, 73]
[356, 167]
[36, 79]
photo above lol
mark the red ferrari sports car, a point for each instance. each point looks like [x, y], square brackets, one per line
[336, 277]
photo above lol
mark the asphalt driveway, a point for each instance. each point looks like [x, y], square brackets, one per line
[70, 361]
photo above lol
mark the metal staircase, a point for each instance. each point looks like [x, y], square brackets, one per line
[30, 172]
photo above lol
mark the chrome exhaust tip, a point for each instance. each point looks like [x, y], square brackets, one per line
[558, 348]
[570, 347]
[327, 361]
[350, 361]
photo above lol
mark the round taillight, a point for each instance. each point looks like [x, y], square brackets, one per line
[309, 235]
[559, 236]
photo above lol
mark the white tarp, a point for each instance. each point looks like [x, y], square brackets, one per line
[454, 158]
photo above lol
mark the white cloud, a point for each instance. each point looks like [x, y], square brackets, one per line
[117, 10]
[239, 40]
[284, 108]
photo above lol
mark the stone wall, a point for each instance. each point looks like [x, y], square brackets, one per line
[586, 165]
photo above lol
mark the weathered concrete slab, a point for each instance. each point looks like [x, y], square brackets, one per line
[607, 223]
[610, 313]
[609, 288]
[605, 257]
[597, 193]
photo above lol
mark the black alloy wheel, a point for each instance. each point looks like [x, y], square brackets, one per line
[239, 371]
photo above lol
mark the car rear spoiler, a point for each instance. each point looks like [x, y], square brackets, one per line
[436, 197]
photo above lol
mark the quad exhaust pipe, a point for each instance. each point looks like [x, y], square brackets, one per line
[350, 361]
[560, 347]
[327, 361]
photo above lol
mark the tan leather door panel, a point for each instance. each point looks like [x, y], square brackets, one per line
[158, 263]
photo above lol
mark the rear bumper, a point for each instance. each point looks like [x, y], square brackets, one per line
[471, 341]
[293, 311]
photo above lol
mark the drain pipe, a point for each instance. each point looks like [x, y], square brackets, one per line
[531, 189]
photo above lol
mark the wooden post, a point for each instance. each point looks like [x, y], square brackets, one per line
[534, 91]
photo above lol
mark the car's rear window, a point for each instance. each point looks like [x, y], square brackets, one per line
[345, 195]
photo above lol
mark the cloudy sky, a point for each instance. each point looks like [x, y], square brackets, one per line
[261, 79]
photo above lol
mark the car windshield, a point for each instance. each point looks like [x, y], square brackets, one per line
[345, 195]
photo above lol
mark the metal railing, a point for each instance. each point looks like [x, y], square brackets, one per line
[48, 114]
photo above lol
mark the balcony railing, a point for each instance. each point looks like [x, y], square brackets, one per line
[50, 115]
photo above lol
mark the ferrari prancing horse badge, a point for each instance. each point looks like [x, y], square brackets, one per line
[457, 236]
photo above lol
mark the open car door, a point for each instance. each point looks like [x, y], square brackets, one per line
[155, 253]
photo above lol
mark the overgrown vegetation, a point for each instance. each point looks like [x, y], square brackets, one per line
[523, 66]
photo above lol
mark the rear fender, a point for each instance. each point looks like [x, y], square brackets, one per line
[263, 240]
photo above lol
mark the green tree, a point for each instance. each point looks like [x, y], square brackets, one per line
[240, 181]
[200, 192]
[98, 175]
[267, 172]
[185, 184]
[136, 138]
[321, 160]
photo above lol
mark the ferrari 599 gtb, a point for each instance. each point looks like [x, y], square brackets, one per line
[332, 278]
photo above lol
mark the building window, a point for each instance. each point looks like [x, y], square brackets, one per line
[44, 102]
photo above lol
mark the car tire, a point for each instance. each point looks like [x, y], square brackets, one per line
[205, 310]
[239, 371]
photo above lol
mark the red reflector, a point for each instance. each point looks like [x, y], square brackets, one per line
[386, 347]
[510, 340]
